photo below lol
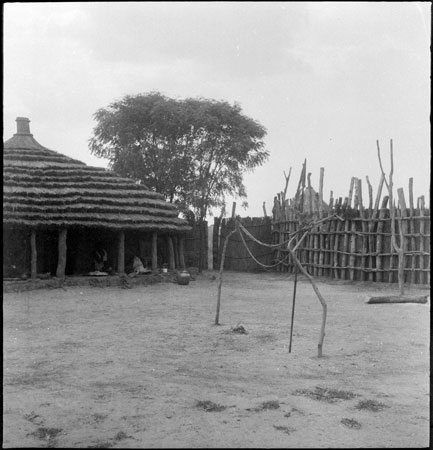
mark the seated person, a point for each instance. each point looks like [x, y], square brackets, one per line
[138, 266]
[100, 259]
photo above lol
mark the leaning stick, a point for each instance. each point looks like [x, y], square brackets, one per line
[293, 309]
[319, 295]
[302, 180]
[223, 256]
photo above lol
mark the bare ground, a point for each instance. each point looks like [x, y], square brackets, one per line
[146, 368]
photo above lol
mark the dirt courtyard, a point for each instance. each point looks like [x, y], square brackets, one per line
[91, 367]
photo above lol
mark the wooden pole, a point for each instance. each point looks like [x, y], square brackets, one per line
[320, 297]
[421, 242]
[364, 244]
[171, 262]
[371, 226]
[223, 255]
[293, 308]
[337, 268]
[61, 264]
[121, 253]
[154, 251]
[182, 252]
[34, 254]
[345, 251]
[349, 198]
[301, 183]
[403, 229]
[322, 173]
[379, 239]
[370, 193]
[310, 196]
[412, 232]
[176, 251]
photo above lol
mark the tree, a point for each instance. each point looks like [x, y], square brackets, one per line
[143, 137]
[194, 151]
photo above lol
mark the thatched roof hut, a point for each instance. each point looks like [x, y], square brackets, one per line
[45, 192]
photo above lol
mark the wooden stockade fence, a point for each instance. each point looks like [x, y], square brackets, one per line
[237, 256]
[356, 246]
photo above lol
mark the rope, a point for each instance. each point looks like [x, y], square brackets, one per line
[301, 230]
[265, 266]
[280, 244]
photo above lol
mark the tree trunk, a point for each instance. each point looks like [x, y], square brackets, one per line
[398, 299]
[61, 264]
[200, 245]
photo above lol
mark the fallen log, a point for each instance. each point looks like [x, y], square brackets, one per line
[398, 299]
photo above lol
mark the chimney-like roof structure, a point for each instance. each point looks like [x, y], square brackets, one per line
[43, 188]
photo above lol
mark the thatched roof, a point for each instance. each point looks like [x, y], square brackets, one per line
[42, 187]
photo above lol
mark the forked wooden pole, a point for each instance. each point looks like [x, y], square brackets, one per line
[223, 255]
[319, 295]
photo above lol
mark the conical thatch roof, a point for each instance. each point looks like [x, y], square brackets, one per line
[42, 187]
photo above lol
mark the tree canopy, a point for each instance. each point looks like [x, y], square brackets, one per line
[194, 151]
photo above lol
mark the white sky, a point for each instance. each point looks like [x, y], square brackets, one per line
[326, 79]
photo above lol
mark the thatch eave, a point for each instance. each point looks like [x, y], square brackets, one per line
[45, 188]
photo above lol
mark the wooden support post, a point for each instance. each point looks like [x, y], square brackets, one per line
[171, 262]
[121, 253]
[61, 263]
[182, 252]
[34, 254]
[154, 251]
[223, 255]
[176, 251]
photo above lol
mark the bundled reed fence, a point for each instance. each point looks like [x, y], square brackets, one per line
[356, 245]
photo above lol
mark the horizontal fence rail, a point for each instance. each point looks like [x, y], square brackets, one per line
[358, 248]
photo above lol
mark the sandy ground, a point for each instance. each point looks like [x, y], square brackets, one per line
[146, 368]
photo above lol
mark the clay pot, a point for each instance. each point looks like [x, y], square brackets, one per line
[183, 277]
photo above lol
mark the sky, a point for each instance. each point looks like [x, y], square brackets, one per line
[326, 80]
